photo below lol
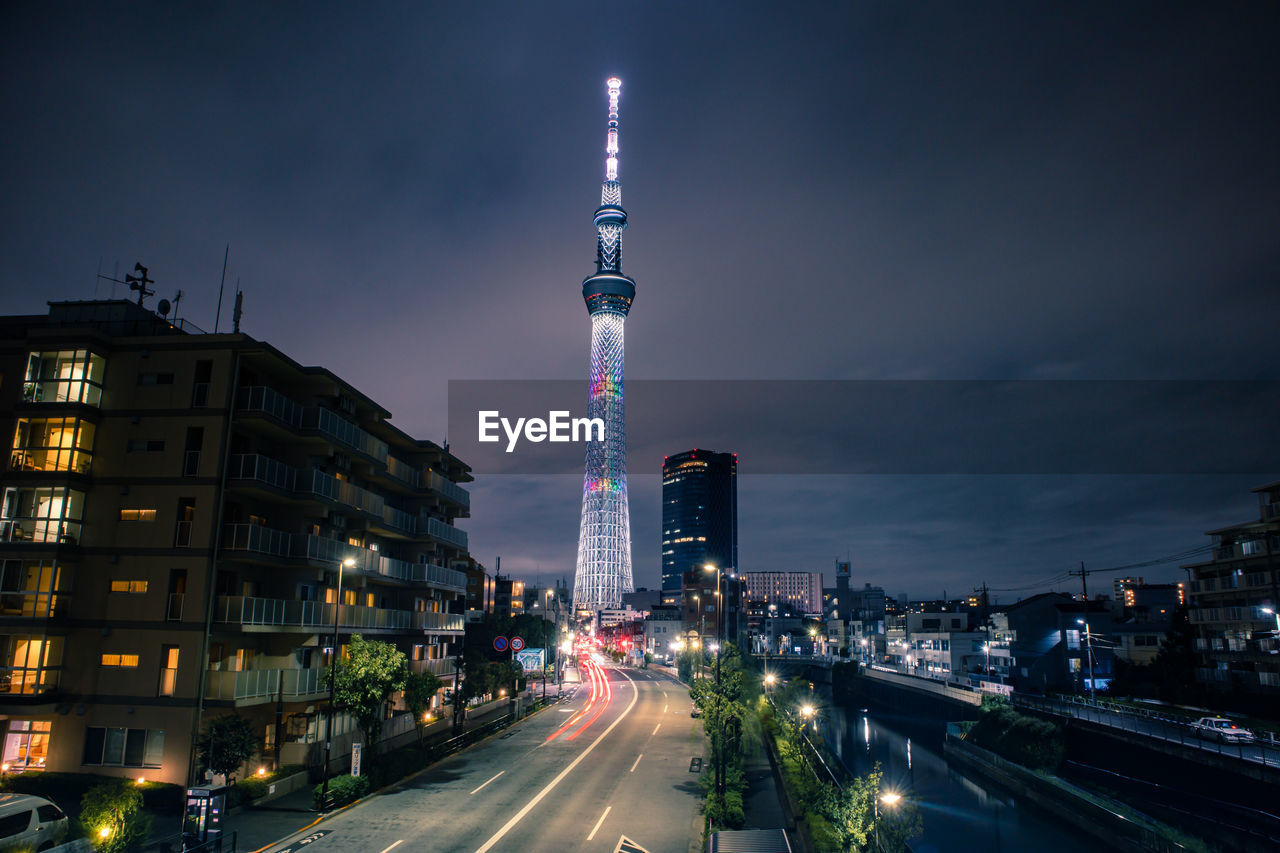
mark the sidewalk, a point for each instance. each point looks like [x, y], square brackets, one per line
[258, 827]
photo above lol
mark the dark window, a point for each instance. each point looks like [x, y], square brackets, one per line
[155, 378]
[93, 739]
[50, 813]
[144, 445]
[127, 747]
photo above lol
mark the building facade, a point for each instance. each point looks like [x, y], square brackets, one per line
[796, 591]
[1233, 601]
[699, 513]
[184, 518]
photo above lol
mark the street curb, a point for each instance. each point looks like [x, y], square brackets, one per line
[286, 838]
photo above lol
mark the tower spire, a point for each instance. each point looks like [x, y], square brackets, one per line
[604, 541]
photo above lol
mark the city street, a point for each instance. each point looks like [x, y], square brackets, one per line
[578, 776]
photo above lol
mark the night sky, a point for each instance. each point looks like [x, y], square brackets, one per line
[816, 191]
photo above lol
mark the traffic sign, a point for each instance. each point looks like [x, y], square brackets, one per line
[500, 644]
[517, 644]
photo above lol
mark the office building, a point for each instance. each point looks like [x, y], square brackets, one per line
[699, 513]
[799, 592]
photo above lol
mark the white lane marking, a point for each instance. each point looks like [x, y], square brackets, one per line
[633, 766]
[664, 708]
[528, 807]
[664, 694]
[500, 772]
[394, 846]
[655, 729]
[596, 828]
[567, 710]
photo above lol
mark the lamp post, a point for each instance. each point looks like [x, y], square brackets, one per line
[333, 673]
[1088, 640]
[720, 774]
[1271, 611]
[546, 648]
[890, 799]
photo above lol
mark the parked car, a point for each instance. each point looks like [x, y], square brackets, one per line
[1222, 730]
[30, 823]
[695, 711]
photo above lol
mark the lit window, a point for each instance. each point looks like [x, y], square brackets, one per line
[137, 515]
[119, 659]
[136, 587]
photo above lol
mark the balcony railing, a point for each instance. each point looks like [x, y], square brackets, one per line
[439, 666]
[264, 683]
[30, 681]
[259, 398]
[439, 575]
[39, 530]
[332, 552]
[449, 489]
[264, 469]
[255, 537]
[51, 459]
[344, 432]
[237, 610]
[447, 533]
[399, 519]
[336, 490]
[403, 471]
[63, 391]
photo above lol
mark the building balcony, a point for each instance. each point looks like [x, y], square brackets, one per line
[344, 432]
[402, 471]
[39, 531]
[265, 685]
[439, 666]
[51, 459]
[318, 616]
[347, 494]
[264, 470]
[447, 533]
[33, 681]
[449, 489]
[255, 538]
[331, 552]
[269, 402]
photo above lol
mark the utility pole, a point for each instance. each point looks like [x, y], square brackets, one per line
[1088, 635]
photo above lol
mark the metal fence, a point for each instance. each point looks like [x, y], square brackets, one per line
[1152, 724]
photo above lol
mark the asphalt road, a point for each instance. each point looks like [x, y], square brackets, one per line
[576, 777]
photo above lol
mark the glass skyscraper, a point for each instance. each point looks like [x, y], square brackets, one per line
[699, 513]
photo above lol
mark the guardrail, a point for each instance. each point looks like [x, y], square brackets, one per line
[1151, 724]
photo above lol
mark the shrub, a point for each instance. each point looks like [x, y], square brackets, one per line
[1029, 741]
[111, 814]
[342, 790]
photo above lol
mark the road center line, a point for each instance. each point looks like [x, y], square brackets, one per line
[596, 828]
[518, 816]
[655, 729]
[664, 708]
[394, 846]
[500, 772]
[633, 767]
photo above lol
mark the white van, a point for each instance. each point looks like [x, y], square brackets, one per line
[30, 823]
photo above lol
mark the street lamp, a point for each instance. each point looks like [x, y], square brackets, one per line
[1088, 639]
[890, 799]
[347, 563]
[1271, 611]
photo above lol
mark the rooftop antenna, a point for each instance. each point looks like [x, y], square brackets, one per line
[140, 282]
[176, 299]
[217, 317]
[114, 278]
[239, 309]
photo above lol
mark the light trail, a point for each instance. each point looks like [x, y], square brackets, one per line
[608, 697]
[584, 710]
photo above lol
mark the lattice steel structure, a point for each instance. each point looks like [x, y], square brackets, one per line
[604, 541]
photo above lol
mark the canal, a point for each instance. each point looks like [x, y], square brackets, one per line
[960, 811]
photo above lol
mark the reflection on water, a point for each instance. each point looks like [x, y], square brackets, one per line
[960, 812]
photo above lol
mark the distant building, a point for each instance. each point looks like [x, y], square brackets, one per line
[699, 514]
[642, 600]
[800, 591]
[1233, 599]
[1122, 589]
[663, 627]
[508, 596]
[941, 645]
[479, 591]
[701, 607]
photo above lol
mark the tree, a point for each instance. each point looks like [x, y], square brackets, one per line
[419, 687]
[852, 810]
[226, 743]
[112, 816]
[365, 680]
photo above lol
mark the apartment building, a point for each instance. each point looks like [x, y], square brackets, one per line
[1233, 601]
[184, 517]
[797, 591]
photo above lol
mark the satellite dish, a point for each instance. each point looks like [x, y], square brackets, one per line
[163, 308]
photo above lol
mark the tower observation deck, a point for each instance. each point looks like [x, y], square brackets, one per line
[604, 539]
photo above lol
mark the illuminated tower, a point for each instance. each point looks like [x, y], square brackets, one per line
[604, 540]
